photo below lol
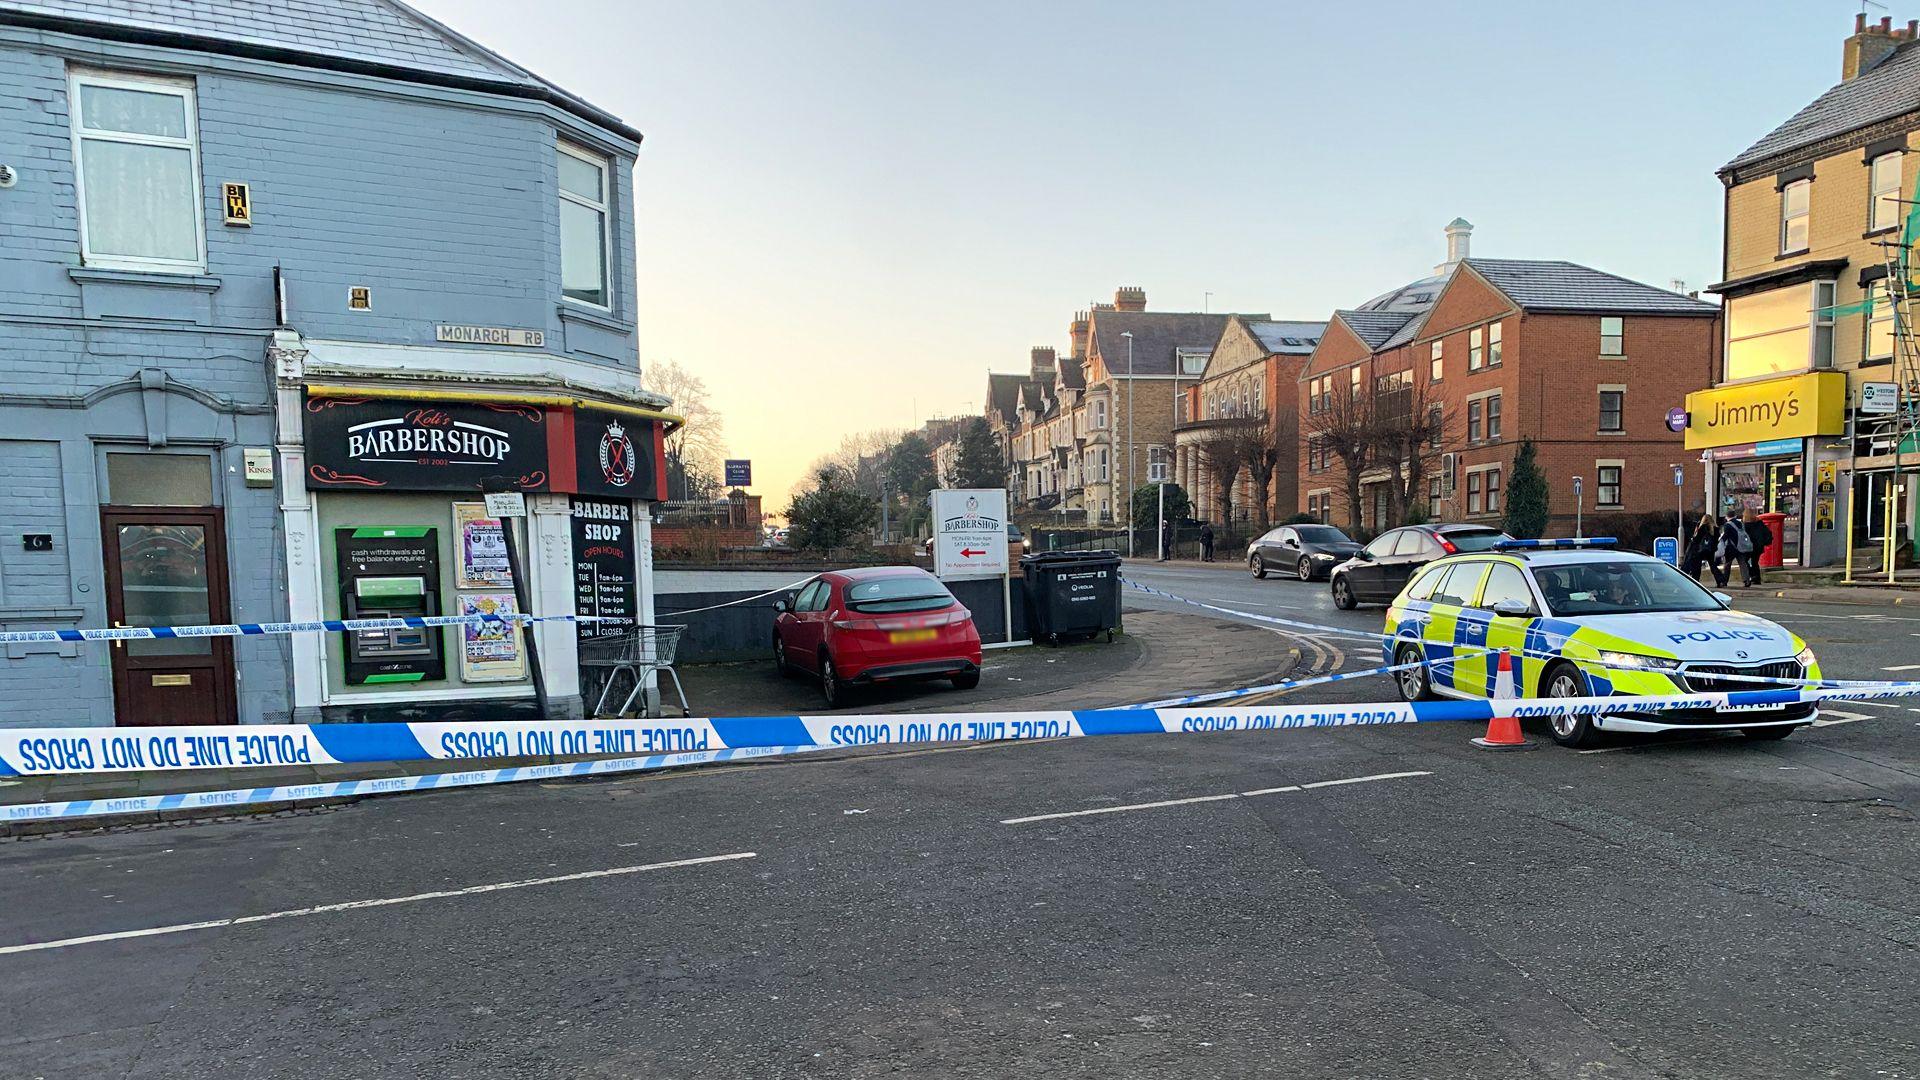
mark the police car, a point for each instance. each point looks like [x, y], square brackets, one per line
[1582, 620]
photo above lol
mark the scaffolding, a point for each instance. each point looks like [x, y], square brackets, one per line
[1900, 289]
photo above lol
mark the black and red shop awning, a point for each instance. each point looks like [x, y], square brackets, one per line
[381, 439]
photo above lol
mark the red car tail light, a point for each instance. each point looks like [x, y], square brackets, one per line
[1446, 545]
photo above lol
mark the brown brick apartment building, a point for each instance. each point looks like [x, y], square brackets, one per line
[1489, 352]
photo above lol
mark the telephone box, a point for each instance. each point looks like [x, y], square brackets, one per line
[390, 573]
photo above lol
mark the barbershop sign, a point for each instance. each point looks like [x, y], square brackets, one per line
[392, 444]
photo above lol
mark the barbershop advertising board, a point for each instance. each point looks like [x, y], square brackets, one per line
[969, 532]
[395, 444]
[604, 580]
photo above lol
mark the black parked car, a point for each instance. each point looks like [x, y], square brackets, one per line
[1381, 569]
[1305, 551]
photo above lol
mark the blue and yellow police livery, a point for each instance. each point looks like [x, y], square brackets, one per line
[1582, 620]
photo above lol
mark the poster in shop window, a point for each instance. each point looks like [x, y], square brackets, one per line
[490, 651]
[483, 549]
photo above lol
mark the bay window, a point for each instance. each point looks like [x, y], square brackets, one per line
[1780, 331]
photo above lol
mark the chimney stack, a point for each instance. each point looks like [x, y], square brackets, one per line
[1870, 44]
[1130, 298]
[1078, 330]
[1459, 240]
[1041, 360]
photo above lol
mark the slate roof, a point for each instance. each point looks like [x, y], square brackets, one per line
[1553, 285]
[385, 36]
[1407, 332]
[1003, 395]
[1156, 334]
[1882, 92]
[1373, 328]
[1072, 373]
[1292, 338]
[1413, 296]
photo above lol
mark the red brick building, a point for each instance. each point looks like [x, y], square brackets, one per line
[1489, 352]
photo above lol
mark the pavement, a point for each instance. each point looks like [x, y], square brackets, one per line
[1376, 902]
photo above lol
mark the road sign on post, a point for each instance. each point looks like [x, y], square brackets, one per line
[1667, 549]
[1578, 506]
[969, 532]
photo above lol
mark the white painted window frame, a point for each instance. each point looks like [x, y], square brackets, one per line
[1620, 489]
[604, 208]
[78, 133]
[1880, 193]
[1787, 218]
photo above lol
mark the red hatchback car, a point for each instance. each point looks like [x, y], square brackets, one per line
[874, 625]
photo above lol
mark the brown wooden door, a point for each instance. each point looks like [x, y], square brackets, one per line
[168, 567]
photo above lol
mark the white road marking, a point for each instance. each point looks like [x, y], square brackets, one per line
[355, 905]
[1875, 704]
[1208, 798]
[1830, 717]
[1902, 667]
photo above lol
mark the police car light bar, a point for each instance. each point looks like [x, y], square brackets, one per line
[1583, 542]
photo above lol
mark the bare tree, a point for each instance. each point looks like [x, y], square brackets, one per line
[1409, 429]
[1222, 456]
[701, 442]
[1345, 427]
[862, 456]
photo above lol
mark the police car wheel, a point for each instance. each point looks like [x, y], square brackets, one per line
[1257, 567]
[1343, 595]
[1413, 680]
[1565, 681]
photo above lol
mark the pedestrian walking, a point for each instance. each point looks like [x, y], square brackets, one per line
[1166, 539]
[1759, 537]
[1206, 542]
[1726, 553]
[1700, 551]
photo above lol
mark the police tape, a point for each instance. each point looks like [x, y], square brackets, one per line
[50, 751]
[321, 626]
[386, 785]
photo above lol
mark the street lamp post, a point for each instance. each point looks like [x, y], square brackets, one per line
[1130, 538]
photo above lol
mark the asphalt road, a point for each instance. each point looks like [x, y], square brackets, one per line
[1164, 906]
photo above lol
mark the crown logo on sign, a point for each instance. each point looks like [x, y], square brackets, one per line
[615, 431]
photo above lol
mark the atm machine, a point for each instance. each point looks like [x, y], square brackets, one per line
[390, 572]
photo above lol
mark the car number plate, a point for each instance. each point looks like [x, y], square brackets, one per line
[1747, 708]
[901, 637]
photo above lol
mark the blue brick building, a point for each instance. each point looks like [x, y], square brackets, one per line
[283, 286]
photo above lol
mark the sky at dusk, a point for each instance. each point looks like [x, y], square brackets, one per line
[850, 212]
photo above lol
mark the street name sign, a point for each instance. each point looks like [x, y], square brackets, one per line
[969, 532]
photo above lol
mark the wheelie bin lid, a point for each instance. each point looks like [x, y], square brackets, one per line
[1044, 558]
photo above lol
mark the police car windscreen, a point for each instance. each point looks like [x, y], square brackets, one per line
[1618, 588]
[898, 594]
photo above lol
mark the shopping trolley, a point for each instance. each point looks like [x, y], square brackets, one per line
[632, 653]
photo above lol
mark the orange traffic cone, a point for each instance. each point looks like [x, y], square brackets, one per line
[1503, 732]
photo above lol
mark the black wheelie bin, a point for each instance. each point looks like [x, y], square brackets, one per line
[1072, 593]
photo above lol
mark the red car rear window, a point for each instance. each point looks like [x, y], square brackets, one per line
[897, 594]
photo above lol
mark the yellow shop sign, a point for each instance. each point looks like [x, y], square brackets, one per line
[1790, 408]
